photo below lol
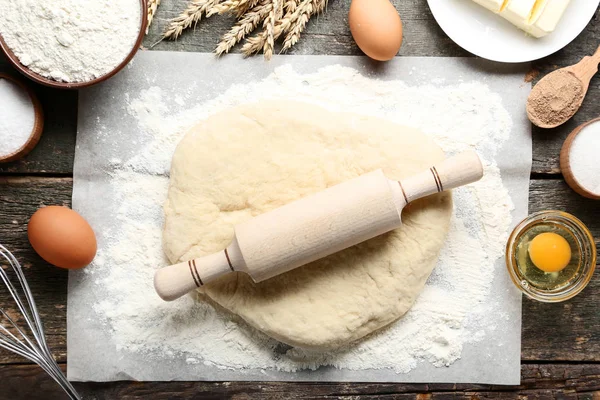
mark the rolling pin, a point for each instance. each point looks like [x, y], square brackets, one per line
[316, 226]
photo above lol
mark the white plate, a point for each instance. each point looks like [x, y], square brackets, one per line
[488, 35]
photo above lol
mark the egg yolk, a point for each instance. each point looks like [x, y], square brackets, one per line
[550, 252]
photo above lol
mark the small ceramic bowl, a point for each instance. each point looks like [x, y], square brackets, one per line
[38, 125]
[78, 85]
[565, 163]
[583, 251]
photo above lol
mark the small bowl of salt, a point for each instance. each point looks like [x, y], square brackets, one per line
[21, 119]
[579, 159]
[71, 44]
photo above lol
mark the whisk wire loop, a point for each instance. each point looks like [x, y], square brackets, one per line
[15, 338]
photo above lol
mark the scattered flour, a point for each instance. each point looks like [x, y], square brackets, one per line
[17, 117]
[70, 40]
[450, 312]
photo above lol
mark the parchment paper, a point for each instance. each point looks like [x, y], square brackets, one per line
[92, 353]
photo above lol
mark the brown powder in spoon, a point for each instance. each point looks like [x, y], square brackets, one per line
[555, 99]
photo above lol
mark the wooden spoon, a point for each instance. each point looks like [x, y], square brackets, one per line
[38, 126]
[559, 95]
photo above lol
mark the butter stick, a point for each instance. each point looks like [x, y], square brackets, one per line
[547, 18]
[518, 12]
[536, 17]
[492, 5]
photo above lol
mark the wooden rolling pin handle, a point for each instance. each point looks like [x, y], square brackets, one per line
[456, 171]
[173, 282]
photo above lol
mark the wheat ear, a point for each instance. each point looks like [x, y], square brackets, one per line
[240, 7]
[256, 43]
[152, 6]
[245, 7]
[244, 26]
[312, 8]
[290, 6]
[191, 15]
[273, 17]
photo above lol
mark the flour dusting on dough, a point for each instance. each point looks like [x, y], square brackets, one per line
[449, 313]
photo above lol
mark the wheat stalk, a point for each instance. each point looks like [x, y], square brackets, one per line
[273, 17]
[290, 6]
[244, 26]
[152, 6]
[245, 7]
[307, 9]
[255, 44]
[250, 14]
[240, 7]
[191, 15]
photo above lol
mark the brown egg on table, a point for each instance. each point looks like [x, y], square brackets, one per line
[62, 237]
[376, 28]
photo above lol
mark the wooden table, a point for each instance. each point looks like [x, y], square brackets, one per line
[561, 342]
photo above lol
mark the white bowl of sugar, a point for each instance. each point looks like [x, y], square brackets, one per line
[579, 159]
[21, 119]
[71, 44]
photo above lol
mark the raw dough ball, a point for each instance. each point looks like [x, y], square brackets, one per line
[248, 160]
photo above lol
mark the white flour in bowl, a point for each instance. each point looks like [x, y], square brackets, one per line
[450, 312]
[70, 40]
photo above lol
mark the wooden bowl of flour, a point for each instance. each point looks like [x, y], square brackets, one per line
[14, 60]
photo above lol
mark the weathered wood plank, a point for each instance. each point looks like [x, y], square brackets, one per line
[54, 153]
[555, 194]
[547, 381]
[572, 329]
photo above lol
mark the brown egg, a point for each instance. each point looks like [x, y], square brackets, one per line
[376, 28]
[62, 237]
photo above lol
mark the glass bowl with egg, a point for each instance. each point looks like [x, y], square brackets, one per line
[551, 256]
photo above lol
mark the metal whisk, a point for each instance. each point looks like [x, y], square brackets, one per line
[19, 339]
